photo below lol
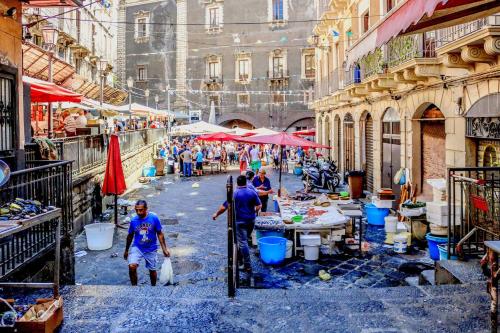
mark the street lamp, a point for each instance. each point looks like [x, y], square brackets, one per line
[102, 65]
[146, 93]
[130, 84]
[50, 36]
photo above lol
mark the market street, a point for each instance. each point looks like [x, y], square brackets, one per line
[199, 244]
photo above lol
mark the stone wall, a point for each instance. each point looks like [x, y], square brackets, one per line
[86, 188]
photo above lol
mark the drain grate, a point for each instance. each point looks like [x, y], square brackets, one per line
[170, 221]
[186, 267]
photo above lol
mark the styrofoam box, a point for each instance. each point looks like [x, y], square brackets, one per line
[441, 220]
[440, 208]
[382, 203]
[310, 240]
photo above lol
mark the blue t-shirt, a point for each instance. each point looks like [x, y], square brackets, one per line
[257, 182]
[144, 231]
[245, 201]
[199, 157]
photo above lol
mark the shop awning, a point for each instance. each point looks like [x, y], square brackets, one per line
[143, 110]
[52, 3]
[47, 92]
[36, 64]
[417, 16]
[91, 90]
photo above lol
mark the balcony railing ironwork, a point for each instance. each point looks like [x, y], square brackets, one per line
[405, 48]
[278, 74]
[451, 34]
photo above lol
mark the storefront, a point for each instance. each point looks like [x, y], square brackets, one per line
[366, 129]
[349, 153]
[483, 129]
[391, 147]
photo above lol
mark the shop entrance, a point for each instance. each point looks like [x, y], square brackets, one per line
[348, 143]
[366, 128]
[433, 149]
[391, 148]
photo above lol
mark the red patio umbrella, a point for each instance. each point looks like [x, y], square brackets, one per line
[307, 132]
[282, 139]
[219, 136]
[114, 179]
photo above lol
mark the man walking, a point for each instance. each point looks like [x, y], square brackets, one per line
[143, 231]
[246, 204]
[187, 161]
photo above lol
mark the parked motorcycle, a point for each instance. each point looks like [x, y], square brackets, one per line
[324, 176]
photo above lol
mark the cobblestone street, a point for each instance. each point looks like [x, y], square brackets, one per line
[199, 244]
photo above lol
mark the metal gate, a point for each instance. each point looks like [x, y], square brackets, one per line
[348, 143]
[233, 277]
[7, 116]
[369, 152]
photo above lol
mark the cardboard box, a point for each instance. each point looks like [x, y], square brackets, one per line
[51, 317]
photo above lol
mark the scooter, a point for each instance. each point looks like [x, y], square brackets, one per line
[324, 176]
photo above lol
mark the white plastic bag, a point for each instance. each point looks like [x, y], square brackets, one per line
[166, 273]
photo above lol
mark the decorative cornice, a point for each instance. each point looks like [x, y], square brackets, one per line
[476, 54]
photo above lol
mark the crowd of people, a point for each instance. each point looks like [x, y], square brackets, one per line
[191, 154]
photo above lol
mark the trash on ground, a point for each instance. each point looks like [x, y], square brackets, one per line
[80, 253]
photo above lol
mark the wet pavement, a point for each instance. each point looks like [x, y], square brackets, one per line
[199, 247]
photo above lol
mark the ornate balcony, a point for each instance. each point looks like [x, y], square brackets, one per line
[475, 42]
[413, 58]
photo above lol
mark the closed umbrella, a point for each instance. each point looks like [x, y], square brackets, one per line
[282, 139]
[114, 179]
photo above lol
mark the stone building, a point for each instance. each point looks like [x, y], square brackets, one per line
[252, 75]
[426, 100]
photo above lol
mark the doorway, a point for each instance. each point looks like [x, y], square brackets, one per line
[366, 128]
[391, 148]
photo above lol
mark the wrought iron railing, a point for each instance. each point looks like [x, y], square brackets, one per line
[90, 151]
[353, 75]
[49, 182]
[405, 48]
[372, 64]
[466, 186]
[451, 34]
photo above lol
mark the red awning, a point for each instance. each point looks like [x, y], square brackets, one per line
[307, 132]
[417, 16]
[47, 92]
[52, 3]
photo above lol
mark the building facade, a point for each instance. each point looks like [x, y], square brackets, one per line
[250, 75]
[425, 101]
[85, 37]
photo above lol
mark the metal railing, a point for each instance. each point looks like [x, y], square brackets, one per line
[329, 84]
[90, 151]
[353, 75]
[49, 182]
[278, 74]
[405, 48]
[462, 238]
[233, 276]
[451, 34]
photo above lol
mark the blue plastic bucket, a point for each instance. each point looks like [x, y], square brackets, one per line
[374, 215]
[297, 171]
[433, 242]
[272, 250]
[276, 206]
[443, 252]
[149, 171]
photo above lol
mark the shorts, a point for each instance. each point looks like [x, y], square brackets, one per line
[255, 165]
[199, 165]
[135, 255]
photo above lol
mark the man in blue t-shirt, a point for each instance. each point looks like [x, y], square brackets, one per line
[143, 231]
[246, 206]
[263, 185]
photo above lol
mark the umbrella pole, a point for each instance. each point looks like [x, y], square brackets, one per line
[116, 209]
[281, 167]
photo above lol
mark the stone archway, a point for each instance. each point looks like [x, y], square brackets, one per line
[429, 147]
[235, 119]
[233, 123]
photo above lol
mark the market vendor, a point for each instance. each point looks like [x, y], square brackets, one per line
[263, 185]
[246, 204]
[68, 124]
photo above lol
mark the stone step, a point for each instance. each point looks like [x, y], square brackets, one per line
[427, 277]
[456, 271]
[412, 281]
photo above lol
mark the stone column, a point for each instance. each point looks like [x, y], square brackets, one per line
[181, 56]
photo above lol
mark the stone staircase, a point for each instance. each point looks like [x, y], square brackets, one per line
[445, 308]
[452, 272]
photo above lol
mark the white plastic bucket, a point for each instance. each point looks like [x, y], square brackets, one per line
[99, 236]
[391, 223]
[311, 252]
[289, 247]
[400, 243]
